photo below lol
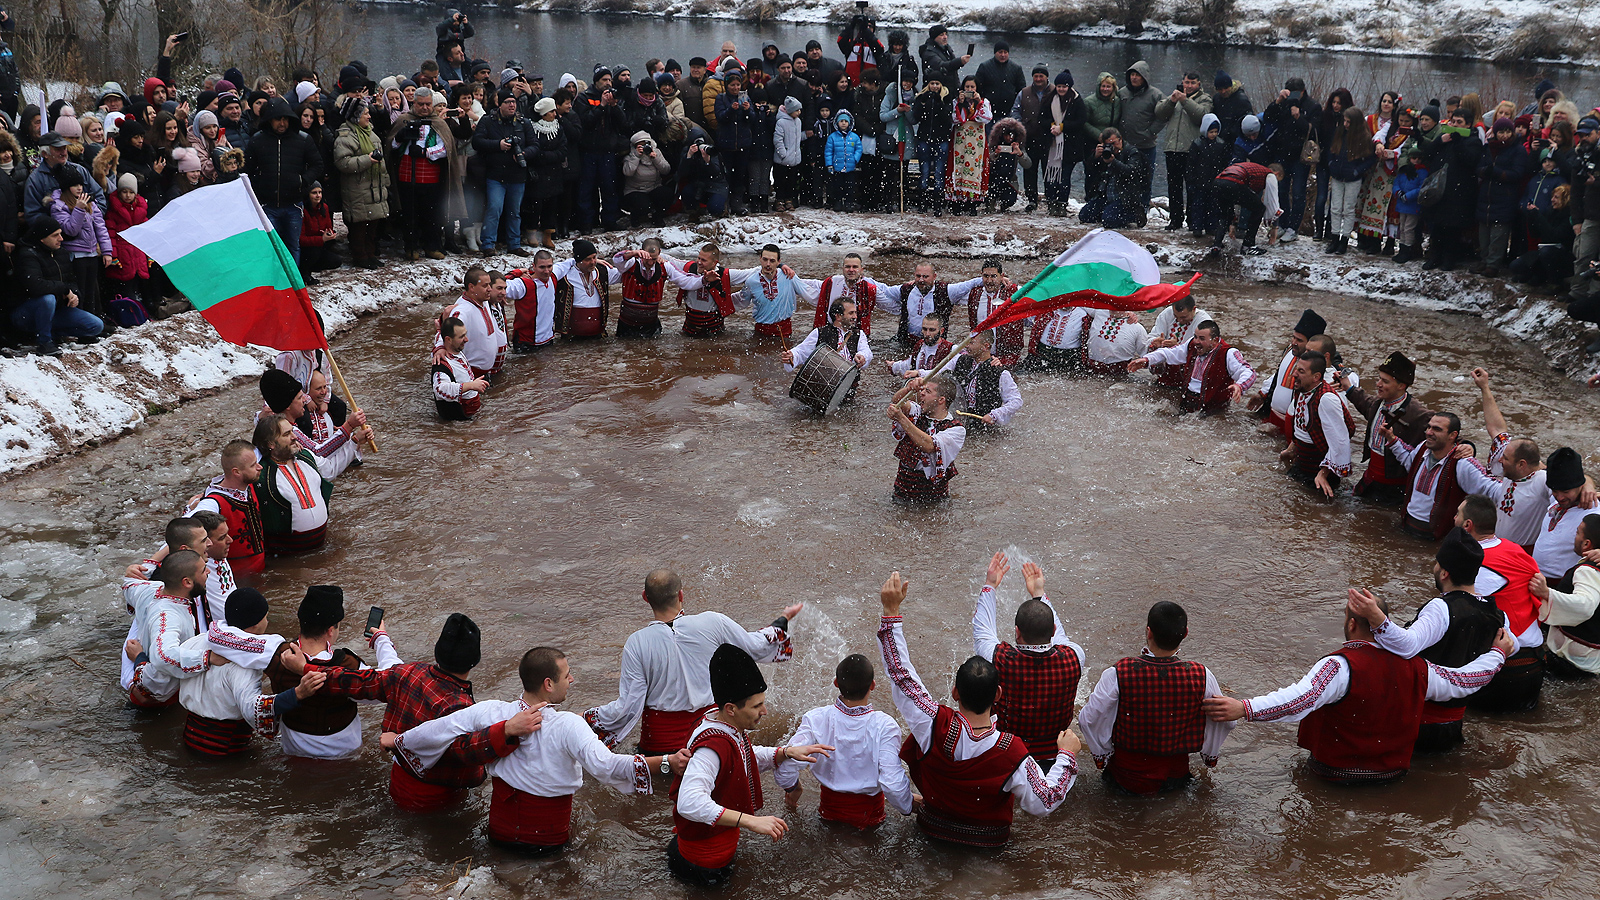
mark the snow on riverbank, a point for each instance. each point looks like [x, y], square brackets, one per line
[51, 407]
[1536, 30]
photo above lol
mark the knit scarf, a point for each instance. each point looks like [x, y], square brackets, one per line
[547, 129]
[1058, 115]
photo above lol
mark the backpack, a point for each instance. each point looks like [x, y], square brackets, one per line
[128, 312]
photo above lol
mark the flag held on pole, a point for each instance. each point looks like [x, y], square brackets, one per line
[1103, 270]
[220, 249]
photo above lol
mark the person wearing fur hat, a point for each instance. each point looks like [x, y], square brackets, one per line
[1008, 141]
[1275, 399]
[1564, 477]
[718, 793]
[1390, 404]
[283, 394]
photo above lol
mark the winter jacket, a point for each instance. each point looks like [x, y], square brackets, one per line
[1540, 187]
[1100, 113]
[844, 146]
[572, 134]
[709, 94]
[689, 91]
[644, 173]
[1206, 160]
[1138, 120]
[865, 107]
[363, 181]
[733, 123]
[934, 117]
[705, 172]
[281, 166]
[549, 160]
[605, 128]
[1500, 174]
[1458, 206]
[787, 136]
[43, 182]
[1130, 169]
[1183, 120]
[38, 271]
[1000, 82]
[501, 165]
[1032, 109]
[1342, 167]
[119, 218]
[1407, 188]
[313, 222]
[941, 63]
[1550, 226]
[897, 126]
[1231, 110]
[762, 123]
[798, 88]
[83, 230]
[1260, 149]
[1585, 202]
[641, 117]
[1289, 133]
[10, 211]
[837, 102]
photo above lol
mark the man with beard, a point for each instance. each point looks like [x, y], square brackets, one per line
[983, 301]
[706, 289]
[924, 295]
[294, 495]
[281, 394]
[1440, 473]
[840, 335]
[1569, 605]
[1275, 398]
[850, 285]
[1217, 373]
[987, 389]
[457, 394]
[929, 439]
[1552, 549]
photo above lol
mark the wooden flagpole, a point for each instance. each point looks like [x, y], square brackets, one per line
[372, 441]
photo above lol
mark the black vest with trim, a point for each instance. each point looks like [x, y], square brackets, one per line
[828, 336]
[980, 385]
[1474, 622]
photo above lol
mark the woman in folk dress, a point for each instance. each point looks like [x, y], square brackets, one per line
[967, 178]
[1374, 221]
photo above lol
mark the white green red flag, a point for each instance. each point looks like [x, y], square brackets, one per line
[220, 249]
[1103, 270]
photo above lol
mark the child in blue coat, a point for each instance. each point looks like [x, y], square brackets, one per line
[1407, 185]
[841, 156]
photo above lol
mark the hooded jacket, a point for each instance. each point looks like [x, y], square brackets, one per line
[644, 173]
[787, 136]
[364, 182]
[1501, 170]
[281, 166]
[1138, 120]
[1231, 110]
[844, 145]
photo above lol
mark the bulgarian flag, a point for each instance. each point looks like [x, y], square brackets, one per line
[1103, 270]
[220, 249]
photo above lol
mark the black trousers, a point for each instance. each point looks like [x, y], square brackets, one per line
[419, 215]
[1177, 165]
[1231, 194]
[651, 204]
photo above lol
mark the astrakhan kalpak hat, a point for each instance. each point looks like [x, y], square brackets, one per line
[1563, 470]
[734, 676]
[1461, 556]
[1311, 324]
[1400, 369]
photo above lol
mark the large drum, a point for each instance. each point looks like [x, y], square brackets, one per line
[824, 381]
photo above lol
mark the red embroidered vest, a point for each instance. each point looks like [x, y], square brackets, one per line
[1374, 726]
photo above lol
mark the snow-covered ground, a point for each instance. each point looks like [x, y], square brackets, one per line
[52, 406]
[1506, 30]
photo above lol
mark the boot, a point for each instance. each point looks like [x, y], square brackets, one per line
[1333, 245]
[1344, 246]
[1319, 230]
[1388, 247]
[549, 242]
[469, 236]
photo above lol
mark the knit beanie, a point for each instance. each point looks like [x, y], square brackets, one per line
[245, 608]
[1064, 77]
[1223, 81]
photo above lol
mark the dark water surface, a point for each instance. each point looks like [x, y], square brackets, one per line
[593, 464]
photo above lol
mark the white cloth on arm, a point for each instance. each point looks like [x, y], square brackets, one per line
[700, 775]
[1281, 391]
[1574, 609]
[865, 758]
[668, 667]
[1329, 680]
[1098, 718]
[1036, 792]
[947, 444]
[549, 762]
[986, 636]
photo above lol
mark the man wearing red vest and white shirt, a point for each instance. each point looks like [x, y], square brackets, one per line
[665, 677]
[534, 293]
[1039, 674]
[1275, 400]
[1504, 577]
[1319, 447]
[719, 791]
[531, 808]
[706, 289]
[1217, 373]
[1440, 473]
[970, 772]
[995, 292]
[486, 341]
[644, 279]
[1144, 719]
[865, 768]
[1359, 707]
[851, 285]
[1175, 324]
[232, 495]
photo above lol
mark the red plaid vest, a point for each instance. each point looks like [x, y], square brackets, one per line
[1158, 706]
[1037, 691]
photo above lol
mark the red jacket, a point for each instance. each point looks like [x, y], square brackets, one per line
[316, 221]
[119, 218]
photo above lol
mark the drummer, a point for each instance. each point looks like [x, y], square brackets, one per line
[841, 335]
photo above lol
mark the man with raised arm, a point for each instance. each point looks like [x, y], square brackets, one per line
[1522, 491]
[665, 679]
[929, 439]
[1360, 707]
[1143, 720]
[969, 772]
[1039, 674]
[1215, 373]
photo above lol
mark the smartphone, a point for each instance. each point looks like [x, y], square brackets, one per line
[970, 48]
[374, 619]
[180, 37]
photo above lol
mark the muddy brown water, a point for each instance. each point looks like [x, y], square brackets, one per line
[595, 463]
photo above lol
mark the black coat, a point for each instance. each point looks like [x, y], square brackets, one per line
[1458, 206]
[935, 118]
[941, 63]
[1500, 183]
[1231, 111]
[40, 271]
[547, 164]
[999, 83]
[605, 128]
[281, 166]
[501, 165]
[1289, 133]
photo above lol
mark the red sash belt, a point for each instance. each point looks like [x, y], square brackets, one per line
[701, 323]
[584, 321]
[1439, 714]
[215, 737]
[666, 732]
[517, 817]
[860, 810]
[1145, 773]
[714, 852]
[415, 795]
[254, 563]
[776, 329]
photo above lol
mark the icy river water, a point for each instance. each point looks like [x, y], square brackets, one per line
[592, 465]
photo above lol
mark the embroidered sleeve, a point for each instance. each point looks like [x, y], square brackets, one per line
[1452, 684]
[910, 697]
[1240, 371]
[1331, 409]
[1039, 794]
[1325, 683]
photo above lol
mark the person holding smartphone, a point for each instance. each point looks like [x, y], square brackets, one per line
[363, 181]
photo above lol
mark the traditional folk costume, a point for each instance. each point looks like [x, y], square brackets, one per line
[534, 324]
[1058, 340]
[241, 509]
[531, 807]
[1521, 503]
[1279, 408]
[302, 364]
[332, 450]
[1168, 328]
[1435, 488]
[847, 344]
[1552, 548]
[923, 357]
[339, 456]
[1208, 377]
[863, 769]
[1321, 427]
[926, 476]
[162, 621]
[1448, 631]
[1574, 626]
[1009, 340]
[1360, 708]
[863, 292]
[420, 692]
[1109, 340]
[220, 585]
[706, 297]
[486, 338]
[1038, 683]
[910, 303]
[773, 302]
[723, 773]
[583, 302]
[224, 702]
[987, 388]
[1503, 578]
[642, 286]
[294, 504]
[966, 177]
[450, 371]
[968, 778]
[1385, 475]
[1143, 720]
[665, 679]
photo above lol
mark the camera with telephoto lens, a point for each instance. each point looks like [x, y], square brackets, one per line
[516, 150]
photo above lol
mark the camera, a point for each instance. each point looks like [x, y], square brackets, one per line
[516, 150]
[1107, 153]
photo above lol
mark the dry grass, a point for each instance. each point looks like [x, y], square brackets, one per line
[1332, 36]
[1544, 38]
[1056, 17]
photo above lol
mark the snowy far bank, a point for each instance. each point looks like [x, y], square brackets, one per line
[54, 406]
[1528, 30]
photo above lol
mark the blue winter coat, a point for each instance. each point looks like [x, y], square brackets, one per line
[1406, 190]
[1500, 177]
[1540, 187]
[733, 123]
[844, 147]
